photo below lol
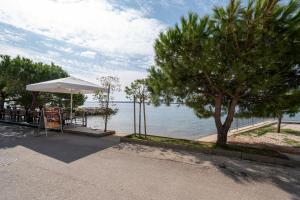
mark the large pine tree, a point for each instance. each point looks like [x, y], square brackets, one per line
[215, 62]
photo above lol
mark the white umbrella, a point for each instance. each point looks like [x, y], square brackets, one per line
[69, 85]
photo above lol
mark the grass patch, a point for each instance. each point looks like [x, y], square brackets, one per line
[291, 132]
[173, 141]
[205, 145]
[258, 132]
[292, 142]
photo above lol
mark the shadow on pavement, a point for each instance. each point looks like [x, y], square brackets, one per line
[240, 171]
[65, 147]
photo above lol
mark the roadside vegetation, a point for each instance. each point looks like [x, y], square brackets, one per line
[197, 145]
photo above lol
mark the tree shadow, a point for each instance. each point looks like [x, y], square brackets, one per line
[64, 147]
[240, 171]
[270, 146]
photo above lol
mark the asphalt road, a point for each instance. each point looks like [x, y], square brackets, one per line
[79, 167]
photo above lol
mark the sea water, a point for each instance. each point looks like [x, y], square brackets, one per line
[172, 121]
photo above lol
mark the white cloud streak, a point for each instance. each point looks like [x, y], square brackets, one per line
[90, 23]
[88, 54]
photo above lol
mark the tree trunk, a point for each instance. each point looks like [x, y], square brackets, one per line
[279, 123]
[222, 137]
[140, 116]
[134, 115]
[34, 100]
[2, 100]
[223, 128]
[107, 103]
[145, 127]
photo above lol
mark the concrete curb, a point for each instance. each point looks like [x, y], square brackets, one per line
[90, 134]
[220, 152]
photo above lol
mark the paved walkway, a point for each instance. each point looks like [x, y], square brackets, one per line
[80, 167]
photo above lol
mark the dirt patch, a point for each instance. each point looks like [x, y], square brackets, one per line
[287, 141]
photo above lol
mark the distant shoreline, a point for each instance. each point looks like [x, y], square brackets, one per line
[130, 102]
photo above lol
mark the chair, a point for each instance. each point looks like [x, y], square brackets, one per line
[67, 119]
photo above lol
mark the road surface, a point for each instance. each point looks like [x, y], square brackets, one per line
[80, 167]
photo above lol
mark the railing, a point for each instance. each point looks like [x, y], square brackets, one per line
[251, 121]
[19, 115]
[33, 117]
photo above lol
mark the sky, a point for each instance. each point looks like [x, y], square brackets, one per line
[92, 38]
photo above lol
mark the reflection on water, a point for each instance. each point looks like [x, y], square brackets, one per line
[173, 121]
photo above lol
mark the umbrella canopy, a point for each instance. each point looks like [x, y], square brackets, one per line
[65, 85]
[68, 85]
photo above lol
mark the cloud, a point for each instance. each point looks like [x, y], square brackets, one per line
[67, 50]
[56, 47]
[91, 38]
[7, 35]
[169, 3]
[88, 54]
[81, 69]
[91, 23]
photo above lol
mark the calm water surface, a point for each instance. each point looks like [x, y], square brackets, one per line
[172, 121]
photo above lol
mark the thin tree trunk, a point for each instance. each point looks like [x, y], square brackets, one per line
[145, 127]
[134, 115]
[106, 115]
[140, 116]
[279, 123]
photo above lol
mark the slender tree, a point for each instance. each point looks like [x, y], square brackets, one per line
[134, 115]
[144, 111]
[138, 89]
[133, 93]
[112, 84]
[215, 62]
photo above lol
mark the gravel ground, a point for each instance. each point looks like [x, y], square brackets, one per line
[290, 142]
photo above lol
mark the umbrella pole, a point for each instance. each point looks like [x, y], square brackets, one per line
[71, 112]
